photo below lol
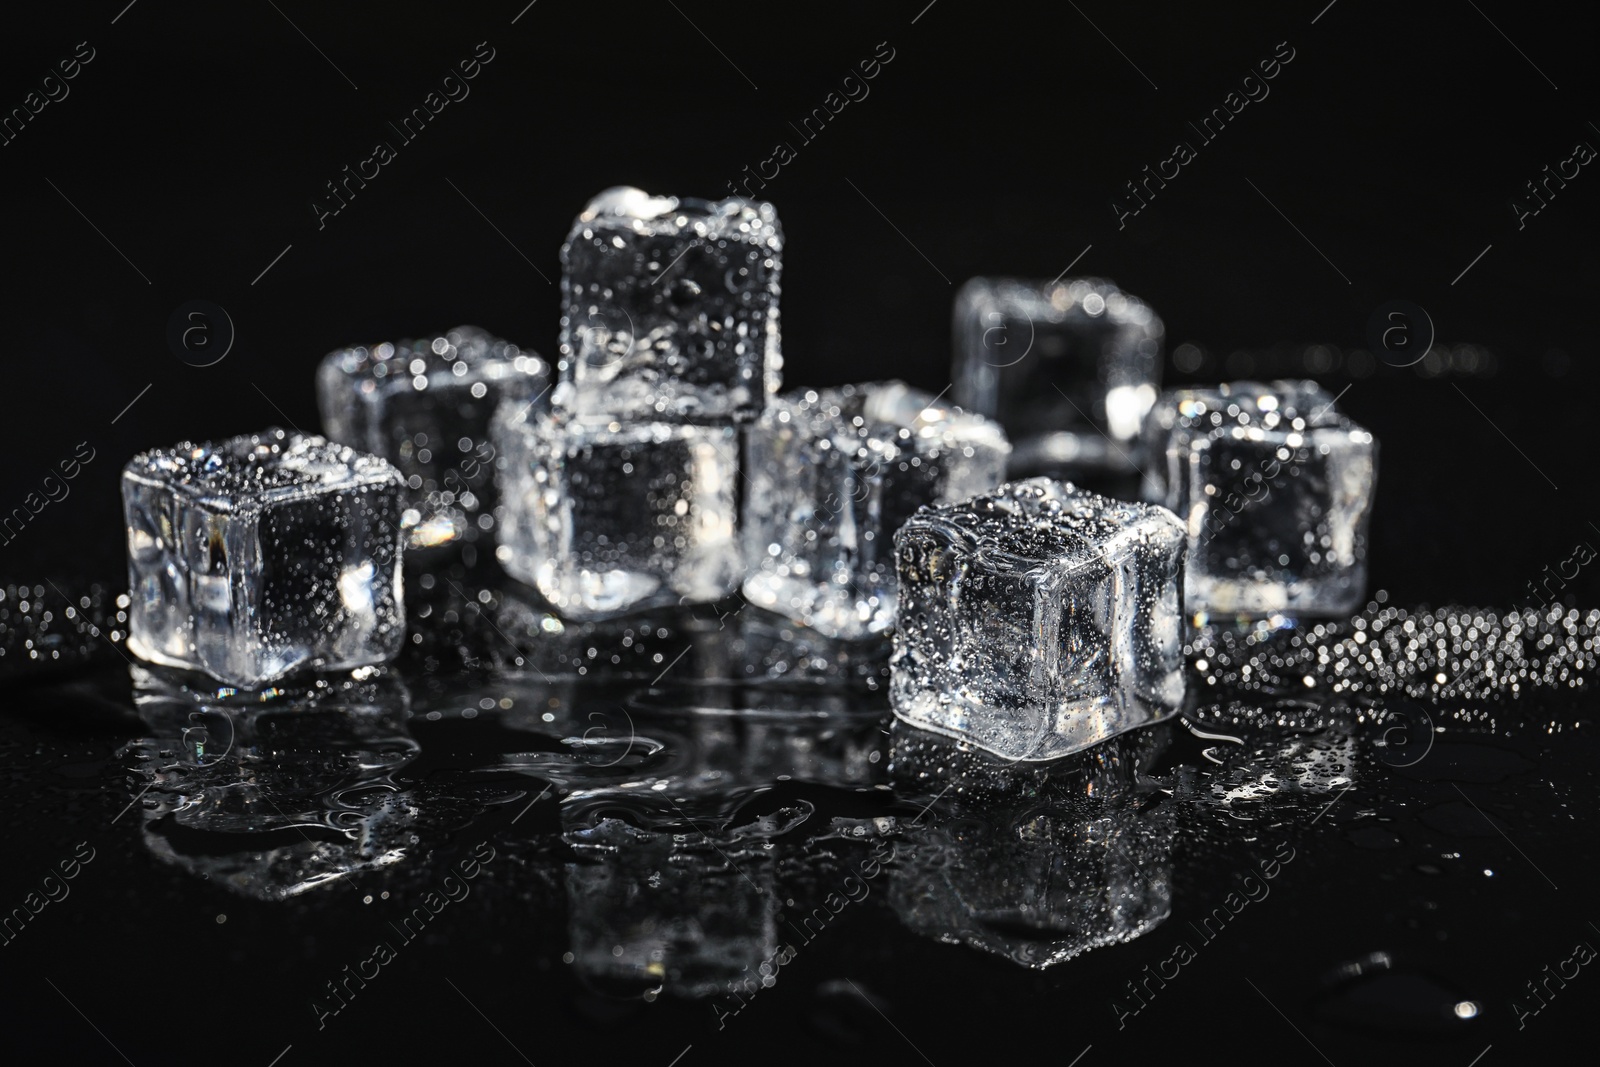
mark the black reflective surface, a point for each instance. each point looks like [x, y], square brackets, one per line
[672, 853]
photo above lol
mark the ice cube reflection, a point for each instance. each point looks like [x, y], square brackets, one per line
[675, 885]
[273, 799]
[1036, 863]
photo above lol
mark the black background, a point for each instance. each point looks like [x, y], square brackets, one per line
[994, 142]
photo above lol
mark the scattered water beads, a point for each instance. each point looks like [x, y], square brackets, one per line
[1444, 654]
[42, 627]
[1336, 706]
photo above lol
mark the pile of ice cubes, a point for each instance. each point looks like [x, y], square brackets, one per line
[624, 494]
[659, 465]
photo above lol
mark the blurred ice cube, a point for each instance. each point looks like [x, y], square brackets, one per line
[425, 405]
[833, 474]
[1068, 367]
[1275, 487]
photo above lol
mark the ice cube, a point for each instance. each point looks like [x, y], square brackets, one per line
[607, 518]
[1038, 619]
[256, 556]
[670, 308]
[1068, 367]
[425, 405]
[833, 474]
[1275, 486]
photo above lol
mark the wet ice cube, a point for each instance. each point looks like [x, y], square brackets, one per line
[833, 474]
[1275, 486]
[1069, 368]
[605, 518]
[1038, 619]
[256, 556]
[425, 405]
[669, 308]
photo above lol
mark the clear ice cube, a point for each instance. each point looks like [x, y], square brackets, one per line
[606, 518]
[669, 308]
[833, 474]
[1275, 486]
[257, 556]
[1038, 619]
[425, 405]
[1069, 368]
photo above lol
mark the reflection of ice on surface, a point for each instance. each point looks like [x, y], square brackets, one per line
[272, 800]
[677, 850]
[1037, 863]
[485, 623]
[687, 911]
[684, 813]
[675, 884]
